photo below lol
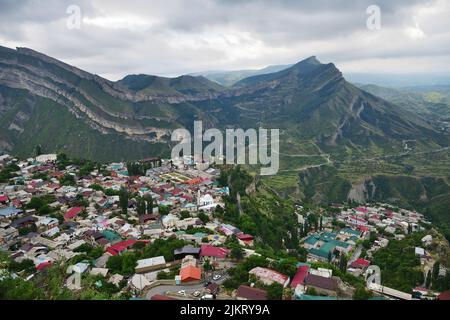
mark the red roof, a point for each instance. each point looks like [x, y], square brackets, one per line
[361, 209]
[194, 181]
[73, 212]
[300, 276]
[444, 295]
[362, 228]
[358, 219]
[120, 246]
[244, 237]
[43, 265]
[190, 273]
[250, 293]
[3, 198]
[123, 245]
[360, 263]
[211, 251]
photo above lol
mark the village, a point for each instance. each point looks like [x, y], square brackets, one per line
[160, 215]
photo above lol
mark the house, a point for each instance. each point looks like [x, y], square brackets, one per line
[214, 253]
[360, 264]
[139, 282]
[190, 273]
[419, 251]
[250, 293]
[46, 158]
[444, 295]
[23, 222]
[146, 218]
[169, 221]
[150, 264]
[188, 261]
[186, 251]
[48, 223]
[206, 202]
[4, 199]
[72, 213]
[311, 242]
[299, 278]
[357, 221]
[212, 288]
[269, 276]
[322, 285]
[9, 212]
[8, 235]
[120, 246]
[428, 239]
[245, 239]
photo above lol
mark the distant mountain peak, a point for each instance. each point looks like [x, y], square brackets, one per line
[311, 60]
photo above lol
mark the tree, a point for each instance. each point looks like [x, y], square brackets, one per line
[321, 223]
[38, 150]
[436, 268]
[140, 206]
[237, 252]
[184, 215]
[203, 217]
[343, 263]
[311, 291]
[67, 180]
[274, 291]
[428, 279]
[123, 200]
[207, 266]
[362, 294]
[149, 204]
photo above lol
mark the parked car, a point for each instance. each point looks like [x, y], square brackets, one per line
[182, 292]
[217, 277]
[196, 293]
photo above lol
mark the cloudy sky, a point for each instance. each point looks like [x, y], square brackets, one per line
[172, 37]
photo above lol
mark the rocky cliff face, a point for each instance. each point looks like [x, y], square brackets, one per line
[310, 100]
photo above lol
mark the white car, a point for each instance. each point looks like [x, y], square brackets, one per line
[196, 293]
[182, 292]
[217, 277]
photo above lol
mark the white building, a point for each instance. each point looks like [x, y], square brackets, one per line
[46, 157]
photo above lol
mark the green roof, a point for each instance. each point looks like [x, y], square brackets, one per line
[312, 240]
[328, 246]
[319, 253]
[342, 244]
[351, 231]
[110, 235]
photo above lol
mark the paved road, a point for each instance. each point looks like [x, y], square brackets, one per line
[355, 255]
[161, 290]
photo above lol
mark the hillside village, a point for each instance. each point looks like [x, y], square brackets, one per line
[148, 230]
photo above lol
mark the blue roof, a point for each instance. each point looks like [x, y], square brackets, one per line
[351, 231]
[312, 240]
[9, 211]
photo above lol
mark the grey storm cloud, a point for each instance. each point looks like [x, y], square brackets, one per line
[171, 37]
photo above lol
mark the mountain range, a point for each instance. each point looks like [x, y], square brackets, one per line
[46, 102]
[338, 141]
